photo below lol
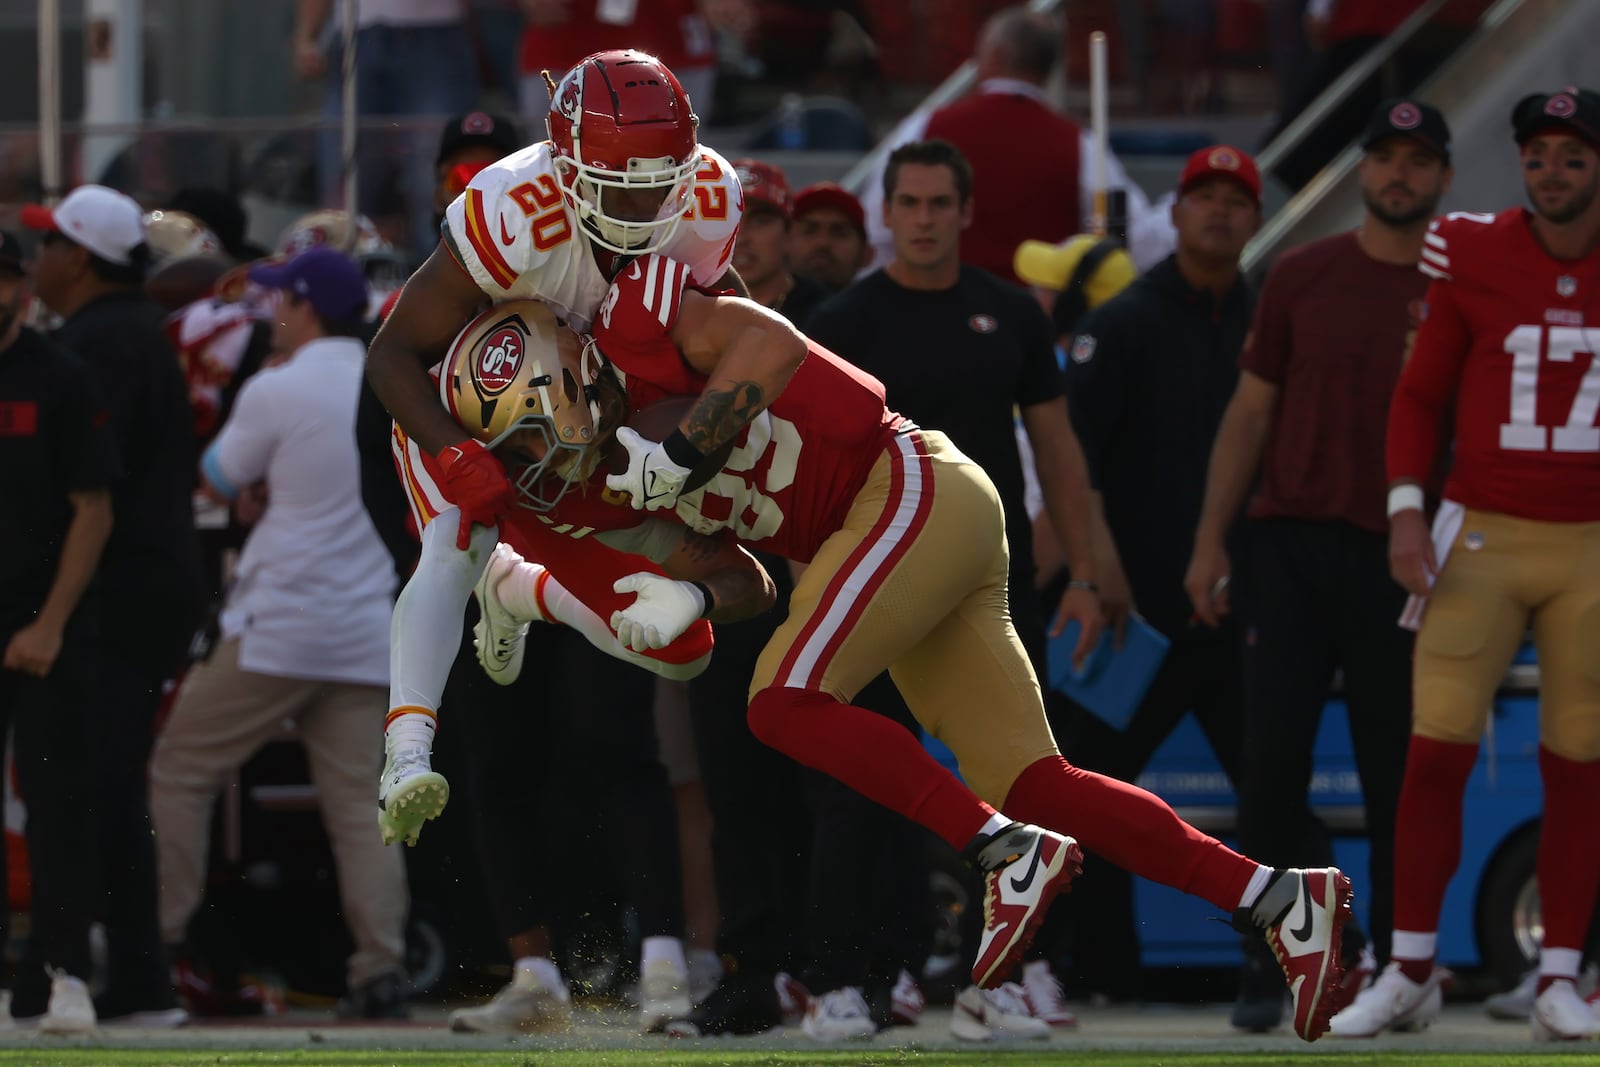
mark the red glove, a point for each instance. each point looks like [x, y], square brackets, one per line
[475, 483]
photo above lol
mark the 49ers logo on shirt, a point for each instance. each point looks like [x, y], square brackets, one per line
[499, 360]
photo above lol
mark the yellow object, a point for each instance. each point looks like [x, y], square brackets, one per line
[1105, 272]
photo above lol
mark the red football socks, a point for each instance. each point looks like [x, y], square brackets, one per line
[1569, 849]
[873, 755]
[1427, 838]
[1131, 827]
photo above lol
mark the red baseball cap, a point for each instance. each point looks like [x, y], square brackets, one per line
[831, 195]
[1220, 160]
[765, 184]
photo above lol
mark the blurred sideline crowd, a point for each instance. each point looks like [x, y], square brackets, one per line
[193, 451]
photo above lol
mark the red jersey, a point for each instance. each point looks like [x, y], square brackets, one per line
[794, 471]
[1506, 332]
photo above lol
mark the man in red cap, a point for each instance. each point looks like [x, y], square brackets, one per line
[1148, 376]
[828, 241]
[761, 255]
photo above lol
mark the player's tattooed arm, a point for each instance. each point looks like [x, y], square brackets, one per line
[722, 413]
[747, 353]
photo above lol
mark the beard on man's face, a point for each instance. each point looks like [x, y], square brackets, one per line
[1419, 210]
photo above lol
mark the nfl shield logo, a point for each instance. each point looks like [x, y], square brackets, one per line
[1083, 349]
[1566, 285]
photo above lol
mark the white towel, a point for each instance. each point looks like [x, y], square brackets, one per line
[1446, 524]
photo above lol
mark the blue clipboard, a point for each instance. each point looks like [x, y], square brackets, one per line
[1113, 682]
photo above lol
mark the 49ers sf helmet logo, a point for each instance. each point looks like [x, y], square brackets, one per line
[499, 360]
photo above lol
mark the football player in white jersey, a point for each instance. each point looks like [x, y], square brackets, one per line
[622, 175]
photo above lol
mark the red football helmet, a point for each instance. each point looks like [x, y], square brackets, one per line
[620, 121]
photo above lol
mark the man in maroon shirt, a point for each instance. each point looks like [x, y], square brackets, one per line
[1332, 325]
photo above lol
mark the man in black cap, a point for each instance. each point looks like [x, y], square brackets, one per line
[1313, 593]
[469, 143]
[1515, 545]
[56, 467]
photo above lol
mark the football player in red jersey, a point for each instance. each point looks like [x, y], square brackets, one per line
[904, 541]
[622, 174]
[1515, 543]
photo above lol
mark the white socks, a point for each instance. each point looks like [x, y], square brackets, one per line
[1253, 888]
[543, 971]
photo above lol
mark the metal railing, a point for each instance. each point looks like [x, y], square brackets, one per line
[1343, 87]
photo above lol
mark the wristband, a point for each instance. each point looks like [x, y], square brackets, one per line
[705, 593]
[1405, 498]
[681, 452]
[1080, 584]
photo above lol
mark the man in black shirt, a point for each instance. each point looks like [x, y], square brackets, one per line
[959, 350]
[90, 270]
[55, 472]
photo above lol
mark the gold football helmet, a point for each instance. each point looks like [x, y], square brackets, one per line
[173, 234]
[517, 368]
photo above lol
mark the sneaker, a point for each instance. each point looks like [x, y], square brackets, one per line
[203, 995]
[1302, 915]
[71, 1011]
[1392, 1002]
[995, 1015]
[663, 994]
[705, 971]
[1041, 990]
[383, 997]
[745, 1003]
[498, 636]
[839, 1015]
[409, 794]
[906, 1002]
[1024, 868]
[1515, 1004]
[793, 996]
[1559, 1014]
[524, 1005]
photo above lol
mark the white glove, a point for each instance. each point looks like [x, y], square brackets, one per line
[652, 480]
[663, 610]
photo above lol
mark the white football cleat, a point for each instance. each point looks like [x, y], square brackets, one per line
[70, 1011]
[1042, 991]
[410, 792]
[525, 1005]
[663, 994]
[996, 1015]
[499, 636]
[1560, 1014]
[1391, 1002]
[840, 1015]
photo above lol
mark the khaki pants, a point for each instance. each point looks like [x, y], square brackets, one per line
[222, 716]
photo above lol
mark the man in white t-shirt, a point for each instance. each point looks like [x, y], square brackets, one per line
[305, 629]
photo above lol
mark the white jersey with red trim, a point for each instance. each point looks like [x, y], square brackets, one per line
[512, 230]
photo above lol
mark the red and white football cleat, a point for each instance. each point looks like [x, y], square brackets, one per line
[1302, 915]
[1025, 868]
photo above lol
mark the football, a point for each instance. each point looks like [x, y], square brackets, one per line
[655, 422]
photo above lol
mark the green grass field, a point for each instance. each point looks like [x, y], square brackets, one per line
[977, 1057]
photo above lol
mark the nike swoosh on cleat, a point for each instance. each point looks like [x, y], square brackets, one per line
[1021, 884]
[1303, 933]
